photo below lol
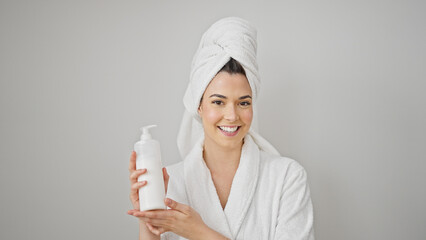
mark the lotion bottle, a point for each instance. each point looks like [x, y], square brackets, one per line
[148, 155]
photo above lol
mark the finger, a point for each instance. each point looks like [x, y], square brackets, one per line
[177, 206]
[135, 174]
[156, 214]
[161, 230]
[165, 174]
[136, 213]
[157, 222]
[134, 199]
[134, 192]
[153, 221]
[166, 178]
[132, 165]
[132, 211]
[135, 186]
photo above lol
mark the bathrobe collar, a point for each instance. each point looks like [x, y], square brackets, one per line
[202, 194]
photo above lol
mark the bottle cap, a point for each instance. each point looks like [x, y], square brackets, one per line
[145, 132]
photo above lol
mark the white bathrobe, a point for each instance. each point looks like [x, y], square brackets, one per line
[269, 197]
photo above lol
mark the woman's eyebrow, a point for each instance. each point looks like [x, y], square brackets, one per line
[246, 96]
[221, 96]
[218, 95]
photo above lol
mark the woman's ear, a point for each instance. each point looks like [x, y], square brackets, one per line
[199, 110]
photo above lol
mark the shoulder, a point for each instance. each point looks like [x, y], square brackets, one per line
[279, 162]
[279, 166]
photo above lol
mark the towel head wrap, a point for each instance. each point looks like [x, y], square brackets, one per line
[230, 37]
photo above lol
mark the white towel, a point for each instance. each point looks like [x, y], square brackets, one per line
[230, 37]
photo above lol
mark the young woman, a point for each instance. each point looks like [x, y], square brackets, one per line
[232, 183]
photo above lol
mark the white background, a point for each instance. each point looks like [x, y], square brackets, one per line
[343, 94]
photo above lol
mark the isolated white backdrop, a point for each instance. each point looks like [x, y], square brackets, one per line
[343, 94]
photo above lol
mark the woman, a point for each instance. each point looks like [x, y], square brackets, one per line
[232, 184]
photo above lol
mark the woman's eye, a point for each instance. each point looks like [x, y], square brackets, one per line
[245, 104]
[217, 102]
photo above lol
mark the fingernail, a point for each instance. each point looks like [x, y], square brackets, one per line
[168, 201]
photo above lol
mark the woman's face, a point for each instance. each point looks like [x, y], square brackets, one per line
[226, 110]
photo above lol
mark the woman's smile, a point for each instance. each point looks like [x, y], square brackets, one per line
[229, 131]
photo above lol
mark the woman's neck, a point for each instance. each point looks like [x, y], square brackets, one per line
[221, 160]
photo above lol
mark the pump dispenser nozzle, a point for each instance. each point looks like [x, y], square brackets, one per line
[145, 132]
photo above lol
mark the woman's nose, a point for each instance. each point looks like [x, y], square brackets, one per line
[231, 114]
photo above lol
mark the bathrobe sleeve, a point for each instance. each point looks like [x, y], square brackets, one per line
[295, 216]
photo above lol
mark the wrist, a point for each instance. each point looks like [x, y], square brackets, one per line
[145, 233]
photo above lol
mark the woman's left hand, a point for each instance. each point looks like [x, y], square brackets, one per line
[180, 219]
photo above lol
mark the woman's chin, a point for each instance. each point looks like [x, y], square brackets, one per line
[224, 140]
[231, 143]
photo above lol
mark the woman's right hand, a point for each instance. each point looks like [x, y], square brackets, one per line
[135, 185]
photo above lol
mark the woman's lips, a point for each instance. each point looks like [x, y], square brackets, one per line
[227, 133]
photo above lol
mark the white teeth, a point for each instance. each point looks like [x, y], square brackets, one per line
[229, 129]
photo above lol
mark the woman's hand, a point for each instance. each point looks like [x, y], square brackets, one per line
[180, 219]
[135, 185]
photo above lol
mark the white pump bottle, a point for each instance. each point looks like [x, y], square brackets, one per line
[148, 155]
